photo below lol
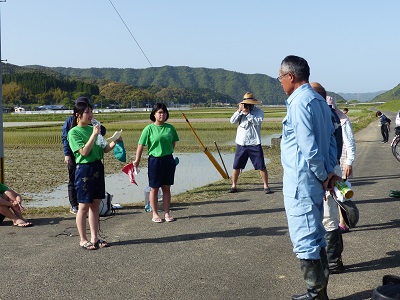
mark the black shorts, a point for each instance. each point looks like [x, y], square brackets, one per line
[161, 170]
[89, 182]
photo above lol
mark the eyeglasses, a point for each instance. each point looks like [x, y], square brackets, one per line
[279, 78]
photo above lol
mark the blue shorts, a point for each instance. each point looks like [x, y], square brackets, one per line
[243, 153]
[89, 182]
[161, 170]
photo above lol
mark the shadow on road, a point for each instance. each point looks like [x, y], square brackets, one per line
[254, 231]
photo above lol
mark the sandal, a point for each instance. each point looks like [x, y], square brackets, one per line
[267, 190]
[89, 246]
[156, 220]
[343, 229]
[101, 244]
[23, 224]
[232, 190]
[169, 219]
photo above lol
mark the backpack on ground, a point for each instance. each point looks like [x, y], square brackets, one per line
[106, 208]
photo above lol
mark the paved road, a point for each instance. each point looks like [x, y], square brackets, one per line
[20, 124]
[232, 247]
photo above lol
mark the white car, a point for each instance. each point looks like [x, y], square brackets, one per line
[398, 119]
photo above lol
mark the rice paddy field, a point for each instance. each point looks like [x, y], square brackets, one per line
[34, 159]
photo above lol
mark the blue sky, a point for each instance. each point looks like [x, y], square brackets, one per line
[351, 46]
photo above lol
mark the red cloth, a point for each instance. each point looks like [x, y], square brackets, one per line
[129, 169]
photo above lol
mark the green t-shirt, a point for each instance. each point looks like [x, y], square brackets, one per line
[159, 139]
[3, 188]
[77, 138]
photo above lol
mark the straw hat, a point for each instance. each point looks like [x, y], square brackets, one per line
[249, 99]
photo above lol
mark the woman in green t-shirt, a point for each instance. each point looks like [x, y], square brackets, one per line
[89, 174]
[160, 138]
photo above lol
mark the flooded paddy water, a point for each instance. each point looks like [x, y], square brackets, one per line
[194, 170]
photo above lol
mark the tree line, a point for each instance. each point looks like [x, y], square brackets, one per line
[36, 88]
[42, 89]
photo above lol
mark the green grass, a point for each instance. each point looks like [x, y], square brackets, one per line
[392, 105]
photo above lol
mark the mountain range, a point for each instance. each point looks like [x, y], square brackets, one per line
[360, 97]
[214, 84]
[234, 84]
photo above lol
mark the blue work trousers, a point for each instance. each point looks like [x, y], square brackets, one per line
[306, 230]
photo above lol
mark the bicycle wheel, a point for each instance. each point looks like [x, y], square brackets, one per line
[393, 144]
[396, 148]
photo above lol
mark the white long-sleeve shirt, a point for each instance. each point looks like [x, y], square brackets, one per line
[348, 143]
[249, 128]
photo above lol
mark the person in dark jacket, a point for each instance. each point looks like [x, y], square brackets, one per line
[385, 125]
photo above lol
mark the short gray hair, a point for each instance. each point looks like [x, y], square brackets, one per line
[297, 66]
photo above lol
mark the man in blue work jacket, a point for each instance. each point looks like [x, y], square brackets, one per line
[308, 154]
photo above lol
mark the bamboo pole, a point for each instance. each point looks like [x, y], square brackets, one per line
[220, 156]
[208, 153]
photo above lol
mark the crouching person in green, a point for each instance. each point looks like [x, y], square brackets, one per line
[89, 175]
[11, 207]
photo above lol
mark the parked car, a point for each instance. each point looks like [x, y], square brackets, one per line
[398, 119]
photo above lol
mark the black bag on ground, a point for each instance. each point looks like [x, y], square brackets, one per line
[1, 218]
[106, 208]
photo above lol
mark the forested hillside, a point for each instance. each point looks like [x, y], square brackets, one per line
[233, 84]
[37, 87]
[41, 85]
[393, 94]
[137, 87]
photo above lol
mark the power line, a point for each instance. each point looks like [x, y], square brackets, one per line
[130, 33]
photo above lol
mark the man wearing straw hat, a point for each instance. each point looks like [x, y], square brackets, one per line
[248, 140]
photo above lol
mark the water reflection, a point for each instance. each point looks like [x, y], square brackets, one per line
[194, 170]
[266, 140]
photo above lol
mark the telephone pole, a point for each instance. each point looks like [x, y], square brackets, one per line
[1, 113]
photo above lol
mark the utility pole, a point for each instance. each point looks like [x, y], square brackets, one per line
[1, 113]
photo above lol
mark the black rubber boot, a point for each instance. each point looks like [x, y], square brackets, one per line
[334, 249]
[325, 266]
[315, 277]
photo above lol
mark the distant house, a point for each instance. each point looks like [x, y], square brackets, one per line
[51, 107]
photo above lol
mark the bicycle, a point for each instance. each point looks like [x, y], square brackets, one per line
[396, 143]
